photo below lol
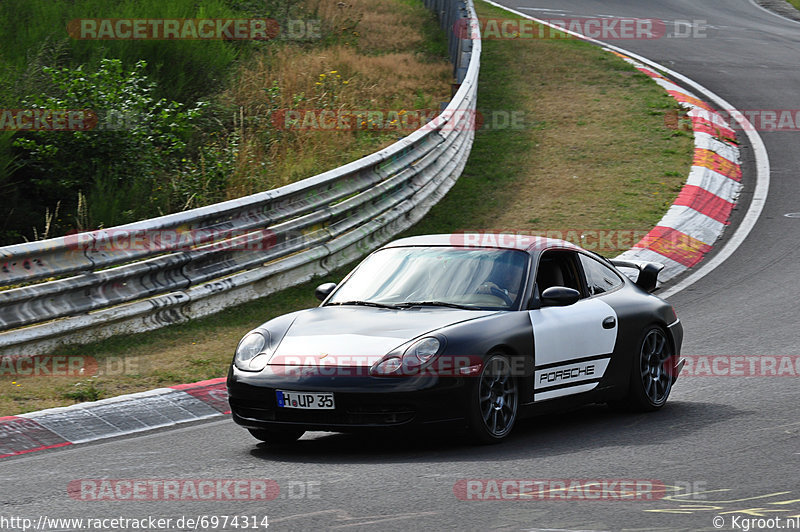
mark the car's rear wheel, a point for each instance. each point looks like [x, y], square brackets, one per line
[277, 435]
[652, 374]
[494, 401]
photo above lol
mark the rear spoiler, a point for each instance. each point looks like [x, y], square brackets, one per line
[648, 272]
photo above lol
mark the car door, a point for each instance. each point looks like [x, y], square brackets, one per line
[572, 344]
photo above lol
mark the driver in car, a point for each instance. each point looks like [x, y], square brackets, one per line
[503, 282]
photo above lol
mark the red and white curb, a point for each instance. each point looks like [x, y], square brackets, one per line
[117, 416]
[709, 181]
[699, 215]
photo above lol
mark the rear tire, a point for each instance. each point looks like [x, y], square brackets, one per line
[652, 373]
[494, 401]
[277, 436]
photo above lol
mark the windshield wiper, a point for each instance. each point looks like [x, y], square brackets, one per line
[435, 304]
[363, 304]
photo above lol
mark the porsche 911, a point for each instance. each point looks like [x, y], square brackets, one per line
[472, 330]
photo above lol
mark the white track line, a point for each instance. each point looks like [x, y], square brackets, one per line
[759, 150]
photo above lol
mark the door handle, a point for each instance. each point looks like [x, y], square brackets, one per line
[610, 322]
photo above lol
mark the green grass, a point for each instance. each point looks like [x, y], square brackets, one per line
[631, 166]
[596, 151]
[494, 160]
[183, 69]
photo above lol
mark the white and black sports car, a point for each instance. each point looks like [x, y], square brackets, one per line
[472, 329]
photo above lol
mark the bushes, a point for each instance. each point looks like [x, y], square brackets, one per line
[135, 142]
[40, 170]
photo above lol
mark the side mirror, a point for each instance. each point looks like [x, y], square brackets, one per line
[559, 296]
[324, 290]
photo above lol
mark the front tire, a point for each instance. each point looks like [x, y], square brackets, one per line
[652, 374]
[494, 401]
[277, 436]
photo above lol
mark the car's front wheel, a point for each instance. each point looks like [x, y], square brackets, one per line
[277, 435]
[652, 374]
[494, 401]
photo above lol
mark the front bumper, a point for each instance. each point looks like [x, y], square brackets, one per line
[361, 401]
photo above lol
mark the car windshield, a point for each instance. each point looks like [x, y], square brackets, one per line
[474, 278]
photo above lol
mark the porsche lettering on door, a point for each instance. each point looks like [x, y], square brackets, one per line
[573, 346]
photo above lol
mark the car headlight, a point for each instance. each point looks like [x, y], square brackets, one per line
[252, 353]
[410, 361]
[387, 366]
[422, 351]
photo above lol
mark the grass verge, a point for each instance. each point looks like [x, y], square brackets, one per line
[383, 54]
[599, 150]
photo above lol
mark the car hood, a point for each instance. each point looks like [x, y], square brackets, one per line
[359, 336]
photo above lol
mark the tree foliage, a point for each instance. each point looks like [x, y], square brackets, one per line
[135, 138]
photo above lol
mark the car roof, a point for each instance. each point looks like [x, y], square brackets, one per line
[521, 242]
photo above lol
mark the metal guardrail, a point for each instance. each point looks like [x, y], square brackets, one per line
[89, 286]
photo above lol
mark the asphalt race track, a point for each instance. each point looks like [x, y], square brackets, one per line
[724, 446]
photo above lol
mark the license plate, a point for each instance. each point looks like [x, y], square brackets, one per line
[305, 400]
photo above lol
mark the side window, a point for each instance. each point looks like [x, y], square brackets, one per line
[557, 268]
[599, 277]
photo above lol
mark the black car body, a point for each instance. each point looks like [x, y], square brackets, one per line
[475, 330]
